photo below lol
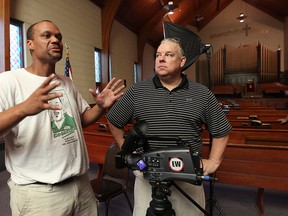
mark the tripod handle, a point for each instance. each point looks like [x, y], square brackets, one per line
[207, 178]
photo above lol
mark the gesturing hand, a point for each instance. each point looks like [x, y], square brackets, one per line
[110, 94]
[38, 101]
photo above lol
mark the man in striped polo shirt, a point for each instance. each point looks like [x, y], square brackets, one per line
[173, 106]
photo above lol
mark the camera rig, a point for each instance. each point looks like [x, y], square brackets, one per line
[161, 166]
[165, 164]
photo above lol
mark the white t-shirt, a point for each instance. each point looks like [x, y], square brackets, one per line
[48, 147]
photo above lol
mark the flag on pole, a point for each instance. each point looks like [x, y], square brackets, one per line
[68, 68]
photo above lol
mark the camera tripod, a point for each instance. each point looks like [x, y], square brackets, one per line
[160, 205]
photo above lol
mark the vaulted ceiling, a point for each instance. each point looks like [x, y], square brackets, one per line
[146, 16]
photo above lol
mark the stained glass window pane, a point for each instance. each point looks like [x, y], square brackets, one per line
[97, 60]
[16, 46]
[135, 72]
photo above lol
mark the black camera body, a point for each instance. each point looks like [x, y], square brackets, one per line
[165, 164]
[161, 166]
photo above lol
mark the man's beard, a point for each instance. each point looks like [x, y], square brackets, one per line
[55, 58]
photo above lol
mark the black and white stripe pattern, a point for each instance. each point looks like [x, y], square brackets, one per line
[179, 113]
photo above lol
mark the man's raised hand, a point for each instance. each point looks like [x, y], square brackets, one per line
[38, 101]
[110, 94]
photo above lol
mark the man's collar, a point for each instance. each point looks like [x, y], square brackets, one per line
[184, 83]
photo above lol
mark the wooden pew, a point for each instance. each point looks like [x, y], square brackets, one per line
[255, 159]
[98, 139]
[258, 124]
[258, 115]
[226, 90]
[271, 119]
[255, 155]
[276, 103]
[97, 145]
[257, 111]
[273, 87]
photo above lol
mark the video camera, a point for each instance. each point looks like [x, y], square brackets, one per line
[165, 164]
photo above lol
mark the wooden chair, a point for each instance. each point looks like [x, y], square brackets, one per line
[111, 182]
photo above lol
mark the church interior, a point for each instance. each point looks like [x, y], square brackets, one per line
[246, 68]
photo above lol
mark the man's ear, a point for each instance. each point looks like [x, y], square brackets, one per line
[30, 44]
[183, 61]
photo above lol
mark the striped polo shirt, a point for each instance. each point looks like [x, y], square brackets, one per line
[179, 114]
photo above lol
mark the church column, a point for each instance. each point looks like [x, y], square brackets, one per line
[108, 14]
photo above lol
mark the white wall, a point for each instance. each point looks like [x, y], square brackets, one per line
[148, 62]
[123, 50]
[80, 23]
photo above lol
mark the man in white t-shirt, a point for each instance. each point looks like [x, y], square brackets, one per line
[48, 161]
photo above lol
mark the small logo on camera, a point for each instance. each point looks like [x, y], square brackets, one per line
[176, 164]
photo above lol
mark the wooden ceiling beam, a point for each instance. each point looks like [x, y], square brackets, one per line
[187, 11]
[265, 9]
[109, 11]
[210, 10]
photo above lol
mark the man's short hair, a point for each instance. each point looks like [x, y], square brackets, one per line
[30, 30]
[177, 41]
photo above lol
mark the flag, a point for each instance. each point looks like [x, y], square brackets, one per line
[68, 68]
